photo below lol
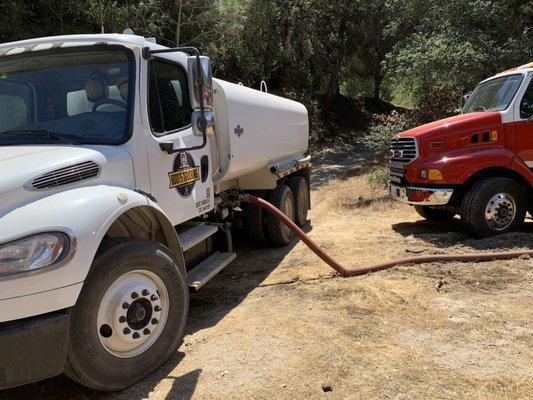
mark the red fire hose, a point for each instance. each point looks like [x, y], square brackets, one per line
[347, 272]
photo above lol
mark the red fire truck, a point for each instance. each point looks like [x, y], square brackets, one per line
[478, 164]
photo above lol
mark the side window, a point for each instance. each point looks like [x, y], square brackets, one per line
[526, 105]
[169, 104]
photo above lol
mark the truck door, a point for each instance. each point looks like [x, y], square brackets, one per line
[181, 182]
[524, 126]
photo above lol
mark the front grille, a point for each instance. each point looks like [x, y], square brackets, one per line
[403, 150]
[65, 176]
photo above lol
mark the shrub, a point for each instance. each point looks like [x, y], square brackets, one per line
[381, 133]
[378, 178]
[436, 105]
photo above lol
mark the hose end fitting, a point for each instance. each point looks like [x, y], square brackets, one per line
[244, 197]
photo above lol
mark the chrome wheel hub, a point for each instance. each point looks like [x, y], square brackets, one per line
[132, 313]
[500, 211]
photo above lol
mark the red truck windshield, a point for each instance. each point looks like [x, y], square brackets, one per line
[494, 95]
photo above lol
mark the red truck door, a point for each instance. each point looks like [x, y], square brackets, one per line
[524, 142]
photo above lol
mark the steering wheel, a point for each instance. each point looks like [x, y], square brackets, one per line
[117, 103]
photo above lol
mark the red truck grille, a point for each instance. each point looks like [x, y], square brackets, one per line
[402, 151]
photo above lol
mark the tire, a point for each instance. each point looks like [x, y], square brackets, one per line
[256, 221]
[493, 206]
[96, 356]
[300, 192]
[276, 231]
[434, 214]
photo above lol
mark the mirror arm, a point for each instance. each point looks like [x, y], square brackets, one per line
[147, 54]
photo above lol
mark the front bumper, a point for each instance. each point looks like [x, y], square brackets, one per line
[32, 349]
[419, 195]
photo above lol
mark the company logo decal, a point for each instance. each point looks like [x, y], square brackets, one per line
[396, 153]
[185, 174]
[238, 131]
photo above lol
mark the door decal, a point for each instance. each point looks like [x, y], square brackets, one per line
[184, 175]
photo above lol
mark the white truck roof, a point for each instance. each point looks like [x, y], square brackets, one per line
[45, 43]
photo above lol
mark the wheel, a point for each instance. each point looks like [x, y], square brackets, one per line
[130, 316]
[277, 232]
[493, 206]
[434, 214]
[300, 192]
[255, 220]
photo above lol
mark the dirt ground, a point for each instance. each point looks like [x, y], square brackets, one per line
[278, 324]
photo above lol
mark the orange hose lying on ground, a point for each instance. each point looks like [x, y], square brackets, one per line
[347, 272]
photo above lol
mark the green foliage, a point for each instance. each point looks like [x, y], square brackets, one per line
[410, 51]
[381, 133]
[379, 177]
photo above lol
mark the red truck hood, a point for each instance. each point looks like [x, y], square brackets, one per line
[457, 125]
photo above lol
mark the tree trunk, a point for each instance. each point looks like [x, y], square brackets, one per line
[377, 86]
[287, 70]
[334, 82]
[178, 26]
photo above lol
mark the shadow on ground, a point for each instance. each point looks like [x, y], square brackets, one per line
[207, 308]
[342, 162]
[452, 233]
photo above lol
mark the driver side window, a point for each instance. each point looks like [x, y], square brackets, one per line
[526, 105]
[169, 105]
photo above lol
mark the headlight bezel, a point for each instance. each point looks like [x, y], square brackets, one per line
[67, 239]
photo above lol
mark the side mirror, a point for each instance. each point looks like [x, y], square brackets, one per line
[194, 77]
[210, 124]
[464, 99]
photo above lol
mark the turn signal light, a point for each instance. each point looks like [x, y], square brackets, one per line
[435, 175]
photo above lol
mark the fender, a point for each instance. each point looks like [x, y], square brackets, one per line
[86, 213]
[458, 166]
[521, 168]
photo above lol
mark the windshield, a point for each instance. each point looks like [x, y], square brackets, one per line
[493, 95]
[75, 95]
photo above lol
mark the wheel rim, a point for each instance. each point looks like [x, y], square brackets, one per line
[500, 211]
[288, 210]
[132, 313]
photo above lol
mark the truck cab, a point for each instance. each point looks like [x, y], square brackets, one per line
[121, 164]
[478, 164]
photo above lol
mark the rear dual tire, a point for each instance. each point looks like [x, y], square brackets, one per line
[130, 316]
[292, 199]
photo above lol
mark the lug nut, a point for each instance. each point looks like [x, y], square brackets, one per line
[125, 305]
[122, 319]
[134, 295]
[145, 292]
[154, 297]
[155, 321]
[157, 308]
[147, 331]
[136, 335]
[126, 331]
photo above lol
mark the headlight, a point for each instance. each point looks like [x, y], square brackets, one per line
[33, 252]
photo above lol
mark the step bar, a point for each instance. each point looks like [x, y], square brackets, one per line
[196, 234]
[208, 269]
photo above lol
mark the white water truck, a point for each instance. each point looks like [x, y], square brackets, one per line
[121, 166]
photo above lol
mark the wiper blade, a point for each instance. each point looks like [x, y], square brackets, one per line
[39, 132]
